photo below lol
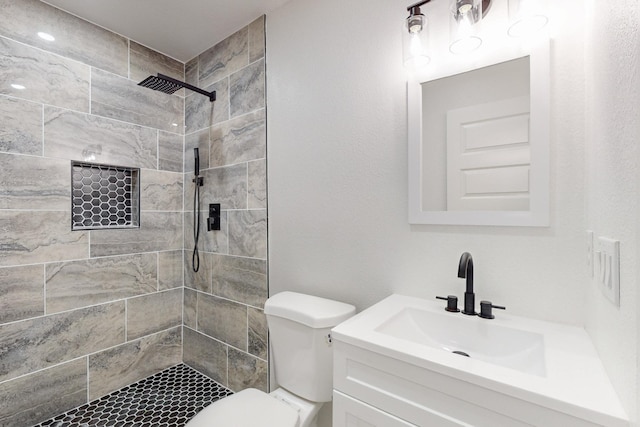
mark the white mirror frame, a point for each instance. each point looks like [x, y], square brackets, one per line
[539, 78]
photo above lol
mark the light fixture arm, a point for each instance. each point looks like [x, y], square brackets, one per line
[417, 6]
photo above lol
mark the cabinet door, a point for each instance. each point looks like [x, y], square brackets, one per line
[349, 412]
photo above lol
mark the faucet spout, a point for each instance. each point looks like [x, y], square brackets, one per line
[465, 271]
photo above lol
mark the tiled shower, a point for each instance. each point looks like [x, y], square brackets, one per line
[84, 313]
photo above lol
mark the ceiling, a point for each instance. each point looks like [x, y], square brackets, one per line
[181, 29]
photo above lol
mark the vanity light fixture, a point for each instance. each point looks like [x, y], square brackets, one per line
[46, 36]
[465, 17]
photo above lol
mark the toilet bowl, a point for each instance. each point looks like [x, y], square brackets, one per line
[255, 408]
[299, 327]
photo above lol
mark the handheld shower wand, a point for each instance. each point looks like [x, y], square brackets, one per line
[197, 179]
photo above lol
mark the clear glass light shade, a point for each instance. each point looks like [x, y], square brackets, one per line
[526, 17]
[464, 23]
[415, 43]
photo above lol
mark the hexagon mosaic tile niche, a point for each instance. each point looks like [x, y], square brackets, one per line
[104, 196]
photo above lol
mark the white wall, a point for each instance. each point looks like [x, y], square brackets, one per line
[612, 123]
[337, 160]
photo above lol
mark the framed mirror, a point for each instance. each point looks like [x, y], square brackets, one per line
[479, 141]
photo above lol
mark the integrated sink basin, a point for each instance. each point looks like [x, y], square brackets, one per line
[469, 336]
[510, 358]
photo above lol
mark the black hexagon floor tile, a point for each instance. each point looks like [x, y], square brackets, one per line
[167, 399]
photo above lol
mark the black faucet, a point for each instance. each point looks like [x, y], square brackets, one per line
[465, 270]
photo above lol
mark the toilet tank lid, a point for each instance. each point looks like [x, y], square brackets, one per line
[309, 310]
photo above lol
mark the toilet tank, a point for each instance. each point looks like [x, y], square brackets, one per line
[299, 327]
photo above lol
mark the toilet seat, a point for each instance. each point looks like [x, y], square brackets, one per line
[248, 408]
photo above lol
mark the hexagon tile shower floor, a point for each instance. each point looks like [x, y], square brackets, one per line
[167, 399]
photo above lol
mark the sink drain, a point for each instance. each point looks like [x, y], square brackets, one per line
[461, 353]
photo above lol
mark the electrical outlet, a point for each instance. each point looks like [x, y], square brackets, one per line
[607, 255]
[589, 244]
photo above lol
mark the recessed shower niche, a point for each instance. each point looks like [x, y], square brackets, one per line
[104, 196]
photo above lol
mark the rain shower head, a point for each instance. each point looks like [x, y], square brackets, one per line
[169, 85]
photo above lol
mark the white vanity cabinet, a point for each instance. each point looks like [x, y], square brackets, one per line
[391, 377]
[374, 390]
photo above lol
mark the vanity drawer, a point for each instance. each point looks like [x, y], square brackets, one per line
[349, 412]
[428, 398]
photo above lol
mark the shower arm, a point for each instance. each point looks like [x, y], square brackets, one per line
[211, 95]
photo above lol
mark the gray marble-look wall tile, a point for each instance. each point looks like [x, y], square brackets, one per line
[199, 140]
[258, 333]
[200, 280]
[39, 236]
[170, 269]
[240, 279]
[225, 185]
[246, 89]
[82, 283]
[153, 313]
[222, 319]
[28, 182]
[190, 308]
[257, 186]
[34, 344]
[159, 231]
[160, 191]
[170, 151]
[75, 37]
[214, 241]
[191, 72]
[84, 137]
[205, 355]
[46, 77]
[42, 395]
[20, 126]
[246, 371]
[21, 292]
[225, 58]
[117, 367]
[239, 140]
[145, 62]
[201, 113]
[248, 233]
[256, 39]
[122, 99]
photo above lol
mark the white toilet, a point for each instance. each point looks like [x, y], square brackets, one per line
[299, 327]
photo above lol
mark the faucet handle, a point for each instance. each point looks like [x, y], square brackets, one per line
[452, 303]
[486, 309]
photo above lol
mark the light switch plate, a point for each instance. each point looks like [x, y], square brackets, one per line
[589, 253]
[607, 255]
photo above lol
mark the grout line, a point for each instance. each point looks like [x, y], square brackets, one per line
[44, 290]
